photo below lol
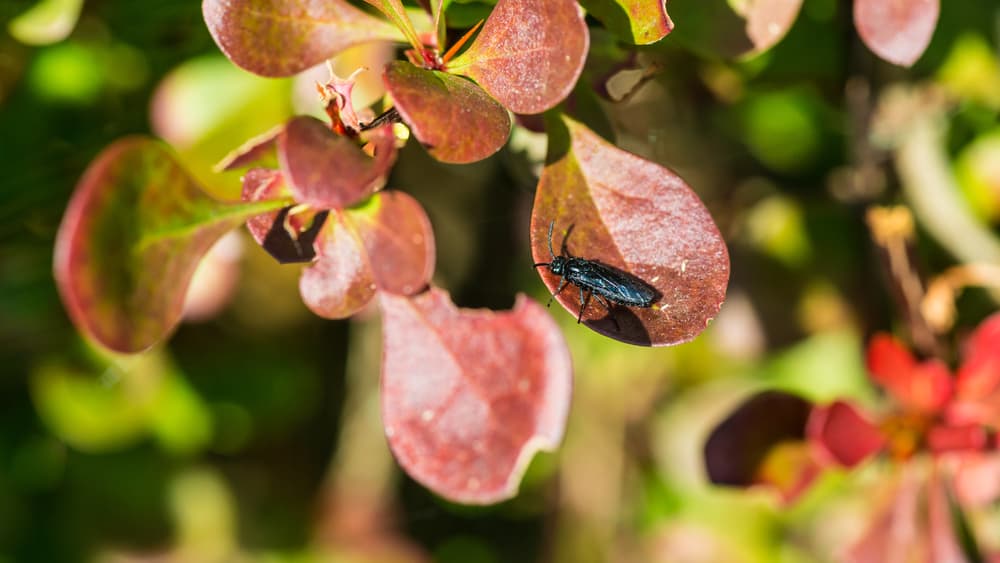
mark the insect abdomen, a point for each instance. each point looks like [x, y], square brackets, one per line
[613, 285]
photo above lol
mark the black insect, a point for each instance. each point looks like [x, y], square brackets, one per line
[602, 281]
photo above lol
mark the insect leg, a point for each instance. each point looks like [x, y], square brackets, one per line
[583, 305]
[611, 312]
[562, 283]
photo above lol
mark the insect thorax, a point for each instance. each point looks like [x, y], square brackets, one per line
[558, 265]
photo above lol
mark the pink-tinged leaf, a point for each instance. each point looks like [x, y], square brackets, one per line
[386, 244]
[923, 387]
[741, 450]
[896, 30]
[456, 120]
[132, 236]
[529, 54]
[283, 37]
[469, 396]
[768, 21]
[844, 434]
[636, 216]
[639, 21]
[329, 171]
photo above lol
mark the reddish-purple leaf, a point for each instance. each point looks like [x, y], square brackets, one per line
[456, 120]
[897, 30]
[640, 21]
[283, 37]
[848, 437]
[469, 396]
[132, 236]
[636, 216]
[769, 20]
[529, 54]
[737, 447]
[385, 244]
[329, 171]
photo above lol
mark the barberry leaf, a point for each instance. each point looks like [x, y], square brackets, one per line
[284, 37]
[634, 215]
[394, 10]
[133, 234]
[469, 396]
[384, 244]
[456, 120]
[330, 171]
[529, 54]
[639, 21]
[896, 31]
[768, 21]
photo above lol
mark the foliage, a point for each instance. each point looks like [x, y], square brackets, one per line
[405, 163]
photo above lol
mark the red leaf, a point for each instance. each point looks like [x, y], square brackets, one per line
[329, 171]
[638, 217]
[843, 433]
[283, 37]
[469, 396]
[456, 120]
[529, 54]
[386, 244]
[896, 30]
[133, 234]
[924, 387]
[768, 21]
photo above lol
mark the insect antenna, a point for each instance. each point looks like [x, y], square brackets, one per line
[551, 226]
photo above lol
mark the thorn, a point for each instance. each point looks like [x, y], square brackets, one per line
[458, 44]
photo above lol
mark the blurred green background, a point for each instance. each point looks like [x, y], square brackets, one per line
[253, 435]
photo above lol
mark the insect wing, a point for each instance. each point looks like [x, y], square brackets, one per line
[618, 286]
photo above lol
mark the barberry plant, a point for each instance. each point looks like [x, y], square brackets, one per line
[467, 396]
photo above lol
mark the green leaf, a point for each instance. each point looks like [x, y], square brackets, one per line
[639, 21]
[48, 21]
[132, 236]
[394, 10]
